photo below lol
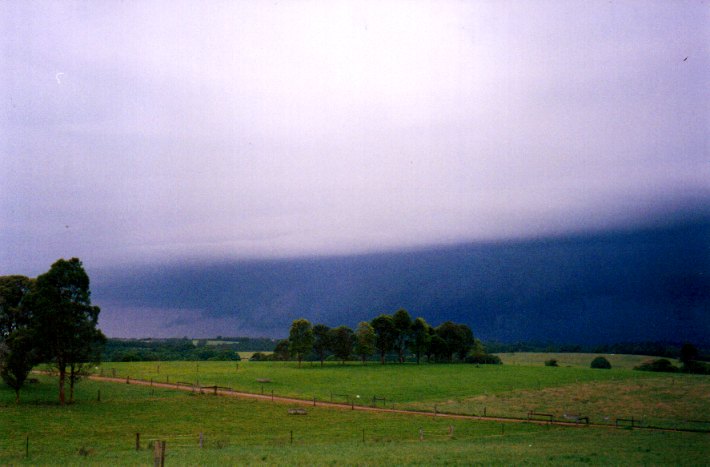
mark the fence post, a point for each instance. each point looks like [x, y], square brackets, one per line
[314, 401]
[484, 411]
[363, 435]
[128, 380]
[98, 396]
[27, 446]
[272, 395]
[421, 434]
[162, 455]
[201, 440]
[435, 410]
[156, 454]
[291, 436]
[451, 431]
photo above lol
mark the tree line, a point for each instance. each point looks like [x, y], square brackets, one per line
[183, 349]
[49, 319]
[397, 334]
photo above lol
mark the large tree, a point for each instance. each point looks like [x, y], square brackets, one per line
[17, 347]
[420, 338]
[281, 350]
[342, 339]
[300, 339]
[65, 321]
[458, 338]
[364, 340]
[321, 341]
[403, 331]
[13, 293]
[385, 334]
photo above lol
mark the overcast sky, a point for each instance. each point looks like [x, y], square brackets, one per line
[134, 131]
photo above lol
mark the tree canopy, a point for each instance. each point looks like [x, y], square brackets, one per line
[300, 339]
[65, 322]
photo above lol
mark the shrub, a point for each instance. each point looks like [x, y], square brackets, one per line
[551, 362]
[261, 357]
[484, 359]
[602, 363]
[660, 364]
[696, 367]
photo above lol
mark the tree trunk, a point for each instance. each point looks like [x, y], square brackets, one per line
[62, 377]
[17, 396]
[382, 357]
[72, 377]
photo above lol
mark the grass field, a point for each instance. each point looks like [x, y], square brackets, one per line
[92, 432]
[582, 360]
[662, 400]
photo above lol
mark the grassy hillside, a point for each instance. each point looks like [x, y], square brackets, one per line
[582, 360]
[235, 431]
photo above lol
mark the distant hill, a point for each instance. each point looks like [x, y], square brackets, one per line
[637, 285]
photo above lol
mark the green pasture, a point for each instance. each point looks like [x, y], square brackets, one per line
[238, 432]
[583, 360]
[566, 392]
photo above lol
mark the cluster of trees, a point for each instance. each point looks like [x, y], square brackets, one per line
[149, 350]
[397, 334]
[49, 319]
[182, 349]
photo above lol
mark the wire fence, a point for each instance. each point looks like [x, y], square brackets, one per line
[380, 401]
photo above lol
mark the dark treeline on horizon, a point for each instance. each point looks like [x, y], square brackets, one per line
[183, 349]
[225, 348]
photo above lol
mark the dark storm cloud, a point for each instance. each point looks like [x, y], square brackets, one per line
[156, 130]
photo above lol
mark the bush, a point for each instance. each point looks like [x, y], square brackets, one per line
[660, 364]
[484, 359]
[261, 357]
[696, 367]
[551, 362]
[602, 363]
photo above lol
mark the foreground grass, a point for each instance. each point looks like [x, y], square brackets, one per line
[92, 432]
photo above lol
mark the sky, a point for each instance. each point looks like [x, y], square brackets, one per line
[134, 132]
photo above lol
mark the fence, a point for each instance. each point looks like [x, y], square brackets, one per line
[480, 412]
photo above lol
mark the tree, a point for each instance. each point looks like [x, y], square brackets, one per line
[403, 327]
[65, 321]
[13, 292]
[438, 348]
[458, 337]
[688, 353]
[321, 341]
[364, 340]
[420, 338]
[342, 339]
[385, 334]
[17, 350]
[601, 363]
[300, 339]
[281, 350]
